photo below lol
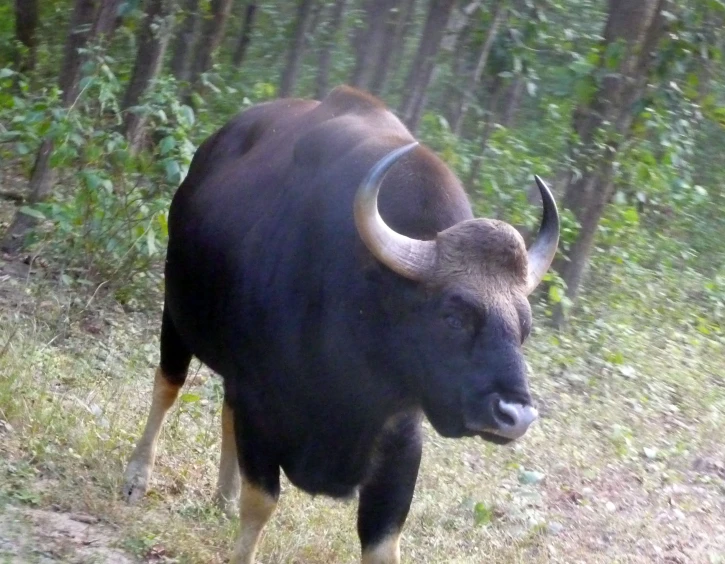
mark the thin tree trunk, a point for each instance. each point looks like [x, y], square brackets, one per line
[638, 26]
[421, 71]
[514, 93]
[185, 40]
[385, 53]
[489, 124]
[212, 32]
[370, 43]
[85, 17]
[460, 29]
[402, 30]
[328, 44]
[153, 36]
[26, 26]
[104, 24]
[245, 36]
[475, 78]
[296, 51]
[78, 36]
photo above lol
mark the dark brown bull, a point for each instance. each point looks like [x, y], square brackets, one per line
[335, 327]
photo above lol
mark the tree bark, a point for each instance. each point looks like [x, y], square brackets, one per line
[212, 33]
[468, 93]
[393, 21]
[245, 35]
[421, 71]
[78, 36]
[296, 51]
[604, 122]
[185, 40]
[26, 26]
[402, 30]
[104, 24]
[153, 36]
[85, 17]
[322, 83]
[370, 45]
[514, 93]
[488, 125]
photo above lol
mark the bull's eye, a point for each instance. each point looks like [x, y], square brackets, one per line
[454, 321]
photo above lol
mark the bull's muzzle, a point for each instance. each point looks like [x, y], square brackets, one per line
[513, 419]
[496, 416]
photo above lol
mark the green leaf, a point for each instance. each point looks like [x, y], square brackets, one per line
[26, 210]
[6, 72]
[190, 398]
[173, 171]
[482, 514]
[151, 242]
[187, 114]
[167, 144]
[631, 216]
[555, 294]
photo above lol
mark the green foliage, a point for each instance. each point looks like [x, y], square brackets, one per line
[107, 218]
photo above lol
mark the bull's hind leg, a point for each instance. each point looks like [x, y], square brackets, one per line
[227, 488]
[170, 376]
[385, 498]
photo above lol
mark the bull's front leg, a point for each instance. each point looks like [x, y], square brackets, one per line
[259, 492]
[386, 497]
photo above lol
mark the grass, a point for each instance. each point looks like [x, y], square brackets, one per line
[626, 464]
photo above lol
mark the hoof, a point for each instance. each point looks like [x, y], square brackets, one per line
[230, 507]
[136, 483]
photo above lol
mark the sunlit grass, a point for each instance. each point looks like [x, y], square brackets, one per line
[626, 451]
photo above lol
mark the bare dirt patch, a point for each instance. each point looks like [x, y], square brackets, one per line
[36, 535]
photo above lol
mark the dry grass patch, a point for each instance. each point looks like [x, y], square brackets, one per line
[626, 464]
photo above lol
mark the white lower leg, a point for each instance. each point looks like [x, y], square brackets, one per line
[227, 489]
[141, 463]
[255, 508]
[387, 551]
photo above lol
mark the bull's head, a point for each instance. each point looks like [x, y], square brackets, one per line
[476, 276]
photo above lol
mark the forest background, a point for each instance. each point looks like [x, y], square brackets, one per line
[619, 104]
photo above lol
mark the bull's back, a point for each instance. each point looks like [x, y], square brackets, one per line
[267, 207]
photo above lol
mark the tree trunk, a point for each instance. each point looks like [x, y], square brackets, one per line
[600, 125]
[385, 53]
[421, 71]
[473, 81]
[212, 33]
[369, 46]
[328, 44]
[85, 17]
[26, 25]
[78, 36]
[153, 37]
[245, 36]
[459, 33]
[488, 125]
[296, 51]
[104, 24]
[402, 30]
[513, 96]
[185, 39]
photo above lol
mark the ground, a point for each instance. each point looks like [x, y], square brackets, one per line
[626, 464]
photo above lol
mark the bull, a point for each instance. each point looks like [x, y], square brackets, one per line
[330, 269]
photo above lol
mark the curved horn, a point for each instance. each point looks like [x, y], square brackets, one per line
[408, 257]
[542, 251]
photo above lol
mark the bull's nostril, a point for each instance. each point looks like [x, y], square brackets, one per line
[504, 415]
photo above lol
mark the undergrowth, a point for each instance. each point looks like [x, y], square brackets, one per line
[628, 443]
